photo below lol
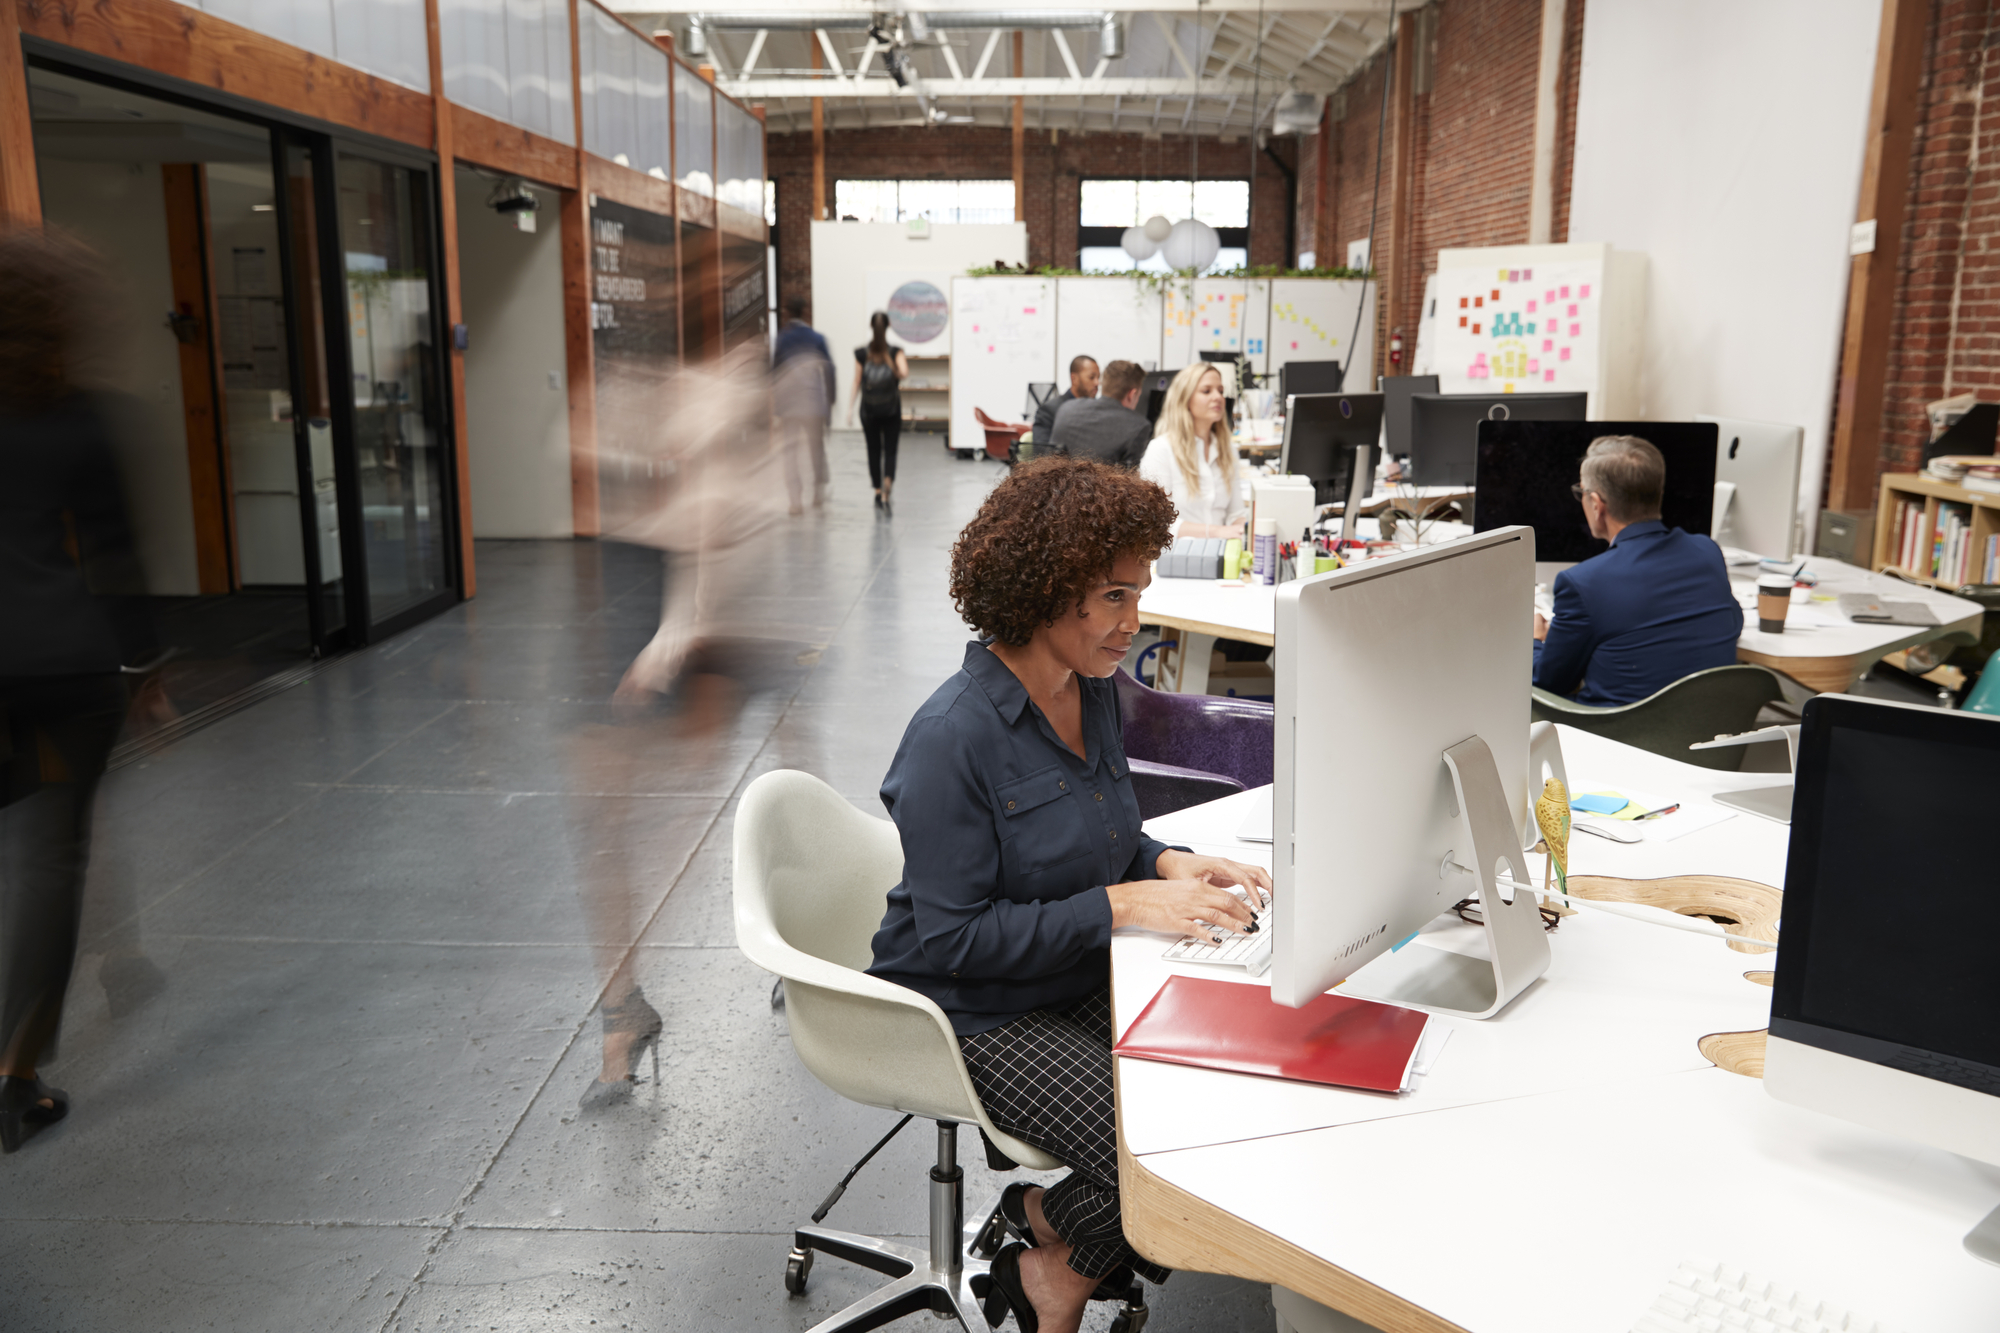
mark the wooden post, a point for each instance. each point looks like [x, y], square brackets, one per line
[1548, 110]
[1871, 284]
[665, 38]
[185, 195]
[1402, 269]
[20, 191]
[1324, 239]
[819, 146]
[579, 351]
[454, 310]
[1020, 148]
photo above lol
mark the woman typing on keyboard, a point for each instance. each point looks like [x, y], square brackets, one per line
[1022, 852]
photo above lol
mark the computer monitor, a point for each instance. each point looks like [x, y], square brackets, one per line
[1310, 377]
[1321, 430]
[1885, 1009]
[1039, 392]
[1396, 392]
[1756, 485]
[1526, 469]
[1157, 383]
[1444, 428]
[1417, 662]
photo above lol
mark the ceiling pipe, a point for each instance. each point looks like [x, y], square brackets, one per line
[794, 21]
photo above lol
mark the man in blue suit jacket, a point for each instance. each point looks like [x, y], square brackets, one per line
[1655, 607]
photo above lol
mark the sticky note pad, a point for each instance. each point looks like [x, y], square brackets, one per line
[1591, 803]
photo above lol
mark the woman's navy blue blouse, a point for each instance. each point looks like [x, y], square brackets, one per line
[1009, 840]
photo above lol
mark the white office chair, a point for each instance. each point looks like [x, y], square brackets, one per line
[812, 873]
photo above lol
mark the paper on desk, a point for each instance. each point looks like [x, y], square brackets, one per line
[1692, 816]
[1425, 1054]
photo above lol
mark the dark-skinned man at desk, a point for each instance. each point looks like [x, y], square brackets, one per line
[1106, 429]
[1022, 851]
[1657, 606]
[1082, 384]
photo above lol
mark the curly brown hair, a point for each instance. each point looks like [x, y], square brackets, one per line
[1045, 536]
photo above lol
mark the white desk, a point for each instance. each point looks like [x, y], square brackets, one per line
[1820, 648]
[1560, 1159]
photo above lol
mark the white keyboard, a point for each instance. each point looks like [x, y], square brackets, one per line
[1252, 953]
[1707, 1297]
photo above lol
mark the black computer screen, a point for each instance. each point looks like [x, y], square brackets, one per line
[1526, 469]
[1310, 377]
[1444, 428]
[1321, 431]
[1396, 393]
[1889, 888]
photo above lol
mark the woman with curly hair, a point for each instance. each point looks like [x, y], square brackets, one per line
[1022, 851]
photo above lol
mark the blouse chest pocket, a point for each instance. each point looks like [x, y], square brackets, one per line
[1039, 823]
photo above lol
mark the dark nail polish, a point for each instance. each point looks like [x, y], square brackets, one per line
[1250, 929]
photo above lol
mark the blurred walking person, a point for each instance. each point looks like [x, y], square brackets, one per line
[802, 401]
[879, 372]
[70, 621]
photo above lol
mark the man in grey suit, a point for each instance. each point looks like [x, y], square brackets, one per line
[1082, 384]
[1106, 428]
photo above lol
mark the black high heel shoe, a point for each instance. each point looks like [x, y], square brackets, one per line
[22, 1115]
[1004, 1292]
[630, 1015]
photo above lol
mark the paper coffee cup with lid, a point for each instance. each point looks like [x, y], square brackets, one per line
[1774, 600]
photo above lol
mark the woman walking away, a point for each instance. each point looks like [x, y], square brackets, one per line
[879, 371]
[65, 553]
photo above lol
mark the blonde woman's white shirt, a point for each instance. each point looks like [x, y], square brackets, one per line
[1214, 503]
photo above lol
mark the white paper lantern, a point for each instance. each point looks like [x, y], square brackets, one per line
[1191, 245]
[1138, 244]
[1157, 228]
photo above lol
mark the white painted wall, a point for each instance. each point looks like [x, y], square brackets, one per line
[119, 209]
[845, 253]
[1724, 138]
[516, 399]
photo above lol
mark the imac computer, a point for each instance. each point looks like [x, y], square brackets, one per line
[1526, 469]
[1310, 377]
[1418, 662]
[1157, 382]
[1444, 428]
[1396, 393]
[1321, 431]
[1886, 1009]
[1756, 486]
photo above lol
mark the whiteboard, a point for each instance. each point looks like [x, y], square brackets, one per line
[883, 286]
[1232, 315]
[1106, 319]
[1533, 328]
[1313, 319]
[1003, 335]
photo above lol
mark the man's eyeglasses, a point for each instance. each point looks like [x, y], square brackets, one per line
[1577, 491]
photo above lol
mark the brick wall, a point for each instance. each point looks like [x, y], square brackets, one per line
[1053, 171]
[1946, 336]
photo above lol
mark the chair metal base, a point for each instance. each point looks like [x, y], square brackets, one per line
[948, 1278]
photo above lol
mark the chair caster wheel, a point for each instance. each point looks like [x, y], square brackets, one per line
[991, 1236]
[1130, 1318]
[798, 1264]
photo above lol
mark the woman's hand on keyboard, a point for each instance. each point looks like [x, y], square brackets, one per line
[1255, 881]
[1191, 907]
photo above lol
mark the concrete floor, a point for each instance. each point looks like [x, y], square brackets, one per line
[354, 1105]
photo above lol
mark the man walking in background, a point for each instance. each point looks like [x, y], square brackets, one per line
[802, 400]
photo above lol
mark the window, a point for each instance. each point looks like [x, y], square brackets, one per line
[1107, 208]
[940, 201]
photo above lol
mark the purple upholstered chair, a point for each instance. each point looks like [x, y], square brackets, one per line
[1190, 748]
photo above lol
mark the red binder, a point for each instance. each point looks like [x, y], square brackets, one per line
[1222, 1025]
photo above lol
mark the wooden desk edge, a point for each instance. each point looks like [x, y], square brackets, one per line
[1177, 1229]
[1193, 626]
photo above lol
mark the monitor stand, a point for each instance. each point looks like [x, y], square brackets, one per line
[1517, 948]
[1983, 1241]
[1772, 802]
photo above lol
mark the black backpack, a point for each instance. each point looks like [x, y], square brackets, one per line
[878, 388]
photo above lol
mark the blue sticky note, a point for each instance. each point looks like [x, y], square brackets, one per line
[1598, 805]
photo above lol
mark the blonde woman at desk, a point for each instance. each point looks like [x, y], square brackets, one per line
[1193, 459]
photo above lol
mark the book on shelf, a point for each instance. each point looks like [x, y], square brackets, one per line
[1991, 571]
[1951, 542]
[1910, 534]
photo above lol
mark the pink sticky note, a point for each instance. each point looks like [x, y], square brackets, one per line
[1513, 275]
[1029, 310]
[1531, 307]
[1548, 345]
[1572, 310]
[1295, 347]
[989, 348]
[1533, 365]
[975, 328]
[1565, 353]
[1565, 292]
[1527, 275]
[1575, 330]
[1550, 296]
[1584, 291]
[1472, 371]
[1548, 377]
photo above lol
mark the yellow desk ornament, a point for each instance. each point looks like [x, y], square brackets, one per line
[1552, 815]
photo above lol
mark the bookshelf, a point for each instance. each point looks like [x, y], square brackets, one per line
[927, 393]
[1912, 510]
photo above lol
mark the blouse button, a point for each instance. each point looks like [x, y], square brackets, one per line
[1062, 786]
[1010, 805]
[1100, 796]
